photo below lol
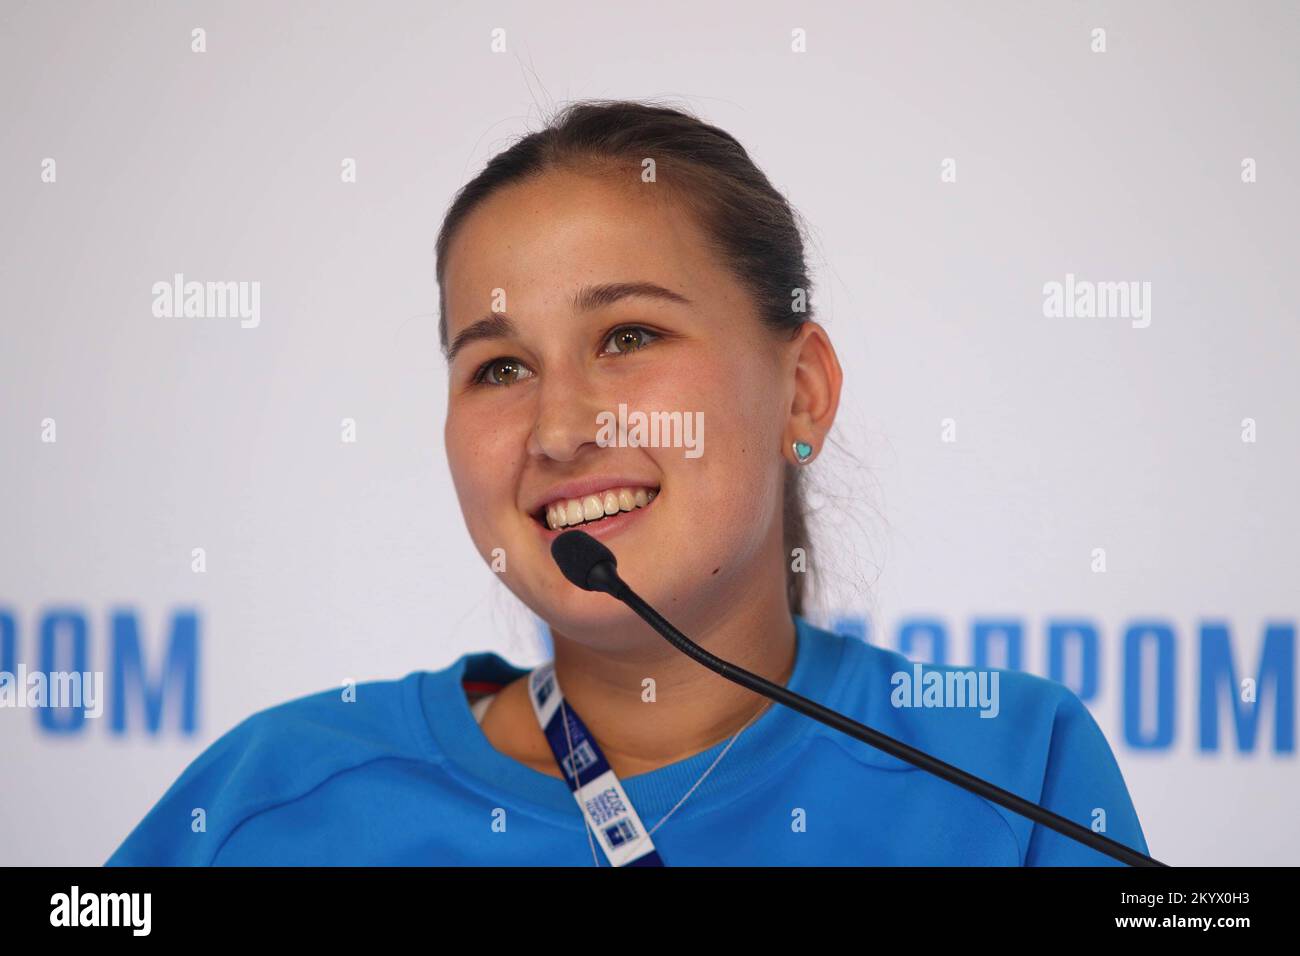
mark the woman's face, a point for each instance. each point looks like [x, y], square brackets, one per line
[529, 424]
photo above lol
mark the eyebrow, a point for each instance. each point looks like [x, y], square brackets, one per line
[498, 325]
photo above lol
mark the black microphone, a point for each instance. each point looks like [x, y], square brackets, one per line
[592, 566]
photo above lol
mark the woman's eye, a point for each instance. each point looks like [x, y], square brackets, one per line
[508, 371]
[629, 338]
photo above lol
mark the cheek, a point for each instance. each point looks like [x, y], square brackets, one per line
[734, 486]
[738, 405]
[733, 388]
[482, 465]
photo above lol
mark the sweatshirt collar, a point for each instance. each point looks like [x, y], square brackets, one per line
[763, 749]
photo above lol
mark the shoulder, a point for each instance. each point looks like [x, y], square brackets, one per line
[993, 718]
[1024, 733]
[273, 757]
[874, 666]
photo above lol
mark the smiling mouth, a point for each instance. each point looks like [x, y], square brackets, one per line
[593, 509]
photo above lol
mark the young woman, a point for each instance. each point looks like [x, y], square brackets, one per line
[631, 260]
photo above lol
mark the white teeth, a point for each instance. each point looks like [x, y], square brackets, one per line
[572, 511]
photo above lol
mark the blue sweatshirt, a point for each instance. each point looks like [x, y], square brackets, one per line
[403, 776]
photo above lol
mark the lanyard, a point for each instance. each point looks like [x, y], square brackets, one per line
[601, 797]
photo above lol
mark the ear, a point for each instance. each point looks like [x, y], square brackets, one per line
[817, 383]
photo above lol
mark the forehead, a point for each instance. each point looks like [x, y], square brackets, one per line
[540, 240]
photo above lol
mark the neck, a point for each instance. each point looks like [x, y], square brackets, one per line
[692, 708]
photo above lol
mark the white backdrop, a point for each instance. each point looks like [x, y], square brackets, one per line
[328, 561]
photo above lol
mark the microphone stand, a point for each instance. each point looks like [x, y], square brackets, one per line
[603, 576]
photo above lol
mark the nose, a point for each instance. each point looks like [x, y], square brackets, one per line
[565, 415]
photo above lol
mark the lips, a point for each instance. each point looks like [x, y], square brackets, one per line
[603, 527]
[580, 488]
[577, 510]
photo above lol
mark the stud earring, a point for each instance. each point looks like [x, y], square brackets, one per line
[802, 451]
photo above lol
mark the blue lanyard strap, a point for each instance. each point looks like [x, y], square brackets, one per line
[596, 788]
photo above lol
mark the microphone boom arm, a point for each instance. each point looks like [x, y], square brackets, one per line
[604, 577]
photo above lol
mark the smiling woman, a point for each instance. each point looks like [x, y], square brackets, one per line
[632, 259]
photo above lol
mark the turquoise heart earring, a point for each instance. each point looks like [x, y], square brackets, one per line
[802, 451]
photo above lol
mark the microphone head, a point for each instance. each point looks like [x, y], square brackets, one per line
[579, 554]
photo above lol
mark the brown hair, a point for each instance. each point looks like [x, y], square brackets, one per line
[749, 223]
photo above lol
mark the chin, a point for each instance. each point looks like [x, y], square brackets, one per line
[595, 619]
